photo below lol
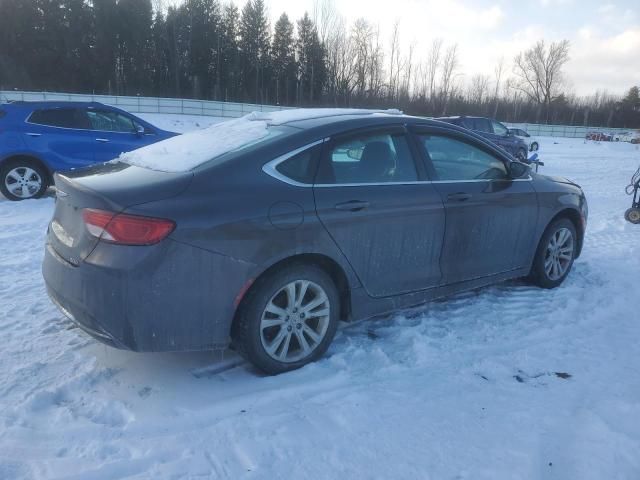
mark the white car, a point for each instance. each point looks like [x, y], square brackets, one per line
[533, 142]
[630, 136]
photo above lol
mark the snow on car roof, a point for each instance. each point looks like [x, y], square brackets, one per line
[186, 152]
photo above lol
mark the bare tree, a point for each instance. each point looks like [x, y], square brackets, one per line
[326, 18]
[498, 71]
[449, 66]
[479, 89]
[407, 83]
[341, 64]
[538, 71]
[431, 70]
[394, 60]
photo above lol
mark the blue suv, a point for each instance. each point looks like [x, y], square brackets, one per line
[39, 138]
[494, 131]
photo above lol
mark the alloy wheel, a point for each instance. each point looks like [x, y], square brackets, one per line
[295, 321]
[23, 182]
[559, 254]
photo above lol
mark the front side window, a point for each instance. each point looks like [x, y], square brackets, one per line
[59, 117]
[456, 160]
[369, 158]
[108, 121]
[498, 128]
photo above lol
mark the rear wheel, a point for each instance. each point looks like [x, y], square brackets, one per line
[521, 154]
[23, 179]
[555, 254]
[632, 215]
[288, 319]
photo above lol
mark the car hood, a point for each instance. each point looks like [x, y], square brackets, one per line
[557, 179]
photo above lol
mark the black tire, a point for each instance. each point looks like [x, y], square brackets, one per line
[632, 215]
[521, 155]
[534, 147]
[539, 275]
[7, 175]
[246, 332]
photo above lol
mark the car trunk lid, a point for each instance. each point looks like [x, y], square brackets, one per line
[110, 187]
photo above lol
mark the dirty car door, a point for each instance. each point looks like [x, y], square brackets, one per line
[385, 218]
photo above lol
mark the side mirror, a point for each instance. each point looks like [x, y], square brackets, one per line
[139, 130]
[518, 170]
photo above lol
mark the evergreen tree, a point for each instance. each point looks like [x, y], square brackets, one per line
[254, 49]
[311, 62]
[228, 72]
[283, 60]
[135, 18]
[105, 24]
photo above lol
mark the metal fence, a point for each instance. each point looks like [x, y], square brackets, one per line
[233, 110]
[567, 131]
[148, 104]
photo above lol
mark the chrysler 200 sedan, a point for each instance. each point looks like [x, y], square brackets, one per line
[262, 233]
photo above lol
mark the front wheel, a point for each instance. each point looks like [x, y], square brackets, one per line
[555, 254]
[22, 179]
[288, 319]
[632, 215]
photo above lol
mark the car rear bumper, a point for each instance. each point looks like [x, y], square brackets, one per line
[167, 297]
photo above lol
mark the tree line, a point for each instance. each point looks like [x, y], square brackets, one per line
[207, 49]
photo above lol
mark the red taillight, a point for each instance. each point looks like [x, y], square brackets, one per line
[126, 229]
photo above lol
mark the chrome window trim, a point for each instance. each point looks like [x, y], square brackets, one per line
[270, 169]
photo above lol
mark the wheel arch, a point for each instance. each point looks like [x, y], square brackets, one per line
[575, 217]
[30, 158]
[324, 262]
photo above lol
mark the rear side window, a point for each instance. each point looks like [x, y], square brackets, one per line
[60, 117]
[455, 160]
[369, 158]
[300, 167]
[109, 121]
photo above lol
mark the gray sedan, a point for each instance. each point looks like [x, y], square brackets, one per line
[264, 232]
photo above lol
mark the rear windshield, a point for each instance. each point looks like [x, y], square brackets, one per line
[186, 152]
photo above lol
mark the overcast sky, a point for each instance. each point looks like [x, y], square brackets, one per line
[605, 37]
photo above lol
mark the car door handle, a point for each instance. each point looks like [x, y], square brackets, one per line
[459, 197]
[102, 140]
[31, 134]
[352, 206]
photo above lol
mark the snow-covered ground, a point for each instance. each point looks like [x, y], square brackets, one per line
[508, 382]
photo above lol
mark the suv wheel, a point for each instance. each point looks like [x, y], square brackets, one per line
[555, 254]
[288, 319]
[22, 179]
